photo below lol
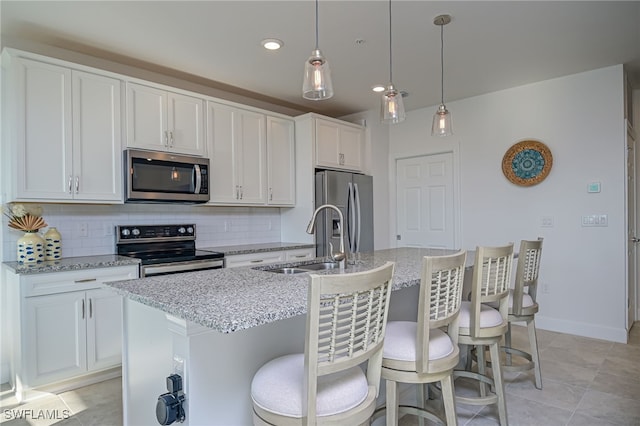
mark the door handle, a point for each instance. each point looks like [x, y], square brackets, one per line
[635, 240]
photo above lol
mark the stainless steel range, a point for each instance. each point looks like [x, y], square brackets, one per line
[165, 249]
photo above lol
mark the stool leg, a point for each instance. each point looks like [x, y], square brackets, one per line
[392, 403]
[481, 369]
[498, 383]
[507, 344]
[449, 399]
[420, 394]
[535, 356]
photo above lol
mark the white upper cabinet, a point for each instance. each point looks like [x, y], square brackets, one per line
[281, 183]
[236, 147]
[162, 120]
[66, 125]
[251, 155]
[338, 145]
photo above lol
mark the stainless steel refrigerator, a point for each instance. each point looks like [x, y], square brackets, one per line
[352, 193]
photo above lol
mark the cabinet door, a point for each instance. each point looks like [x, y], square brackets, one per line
[186, 124]
[55, 337]
[281, 174]
[43, 130]
[146, 117]
[250, 149]
[223, 176]
[104, 329]
[97, 144]
[327, 143]
[351, 140]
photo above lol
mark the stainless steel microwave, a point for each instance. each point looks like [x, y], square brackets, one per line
[153, 176]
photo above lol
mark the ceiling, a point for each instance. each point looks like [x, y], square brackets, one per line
[488, 46]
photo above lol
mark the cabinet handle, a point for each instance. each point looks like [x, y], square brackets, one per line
[237, 192]
[166, 138]
[241, 192]
[90, 308]
[77, 184]
[82, 308]
[341, 161]
[86, 280]
[257, 261]
[171, 139]
[270, 194]
[69, 183]
[297, 256]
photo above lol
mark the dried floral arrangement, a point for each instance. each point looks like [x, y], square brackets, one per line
[25, 217]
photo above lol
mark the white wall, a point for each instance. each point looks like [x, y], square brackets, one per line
[580, 118]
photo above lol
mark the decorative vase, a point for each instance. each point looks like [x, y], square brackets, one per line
[53, 248]
[31, 247]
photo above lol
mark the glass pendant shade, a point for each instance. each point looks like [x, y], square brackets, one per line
[392, 106]
[441, 122]
[317, 78]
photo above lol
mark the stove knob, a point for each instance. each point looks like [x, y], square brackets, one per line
[135, 232]
[181, 230]
[125, 232]
[190, 230]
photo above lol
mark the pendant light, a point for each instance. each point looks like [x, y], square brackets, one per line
[317, 75]
[392, 106]
[442, 118]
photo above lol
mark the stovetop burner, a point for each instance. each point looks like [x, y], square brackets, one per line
[155, 244]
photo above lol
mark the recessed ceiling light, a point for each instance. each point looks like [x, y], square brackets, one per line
[378, 88]
[272, 43]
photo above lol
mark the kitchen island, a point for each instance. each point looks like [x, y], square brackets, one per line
[216, 328]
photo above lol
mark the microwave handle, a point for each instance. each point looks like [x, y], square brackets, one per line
[198, 176]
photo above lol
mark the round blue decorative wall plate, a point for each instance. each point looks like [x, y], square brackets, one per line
[527, 163]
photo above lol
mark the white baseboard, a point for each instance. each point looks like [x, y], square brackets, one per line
[594, 331]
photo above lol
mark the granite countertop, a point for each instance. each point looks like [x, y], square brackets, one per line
[71, 264]
[257, 248]
[229, 300]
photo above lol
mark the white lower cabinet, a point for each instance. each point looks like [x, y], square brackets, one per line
[66, 325]
[267, 257]
[300, 254]
[254, 259]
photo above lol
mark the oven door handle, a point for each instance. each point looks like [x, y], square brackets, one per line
[149, 270]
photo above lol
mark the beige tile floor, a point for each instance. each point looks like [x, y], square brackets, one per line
[586, 382]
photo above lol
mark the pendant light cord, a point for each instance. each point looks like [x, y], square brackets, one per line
[316, 24]
[442, 64]
[390, 58]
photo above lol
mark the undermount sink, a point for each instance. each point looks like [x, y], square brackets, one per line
[322, 266]
[287, 271]
[299, 269]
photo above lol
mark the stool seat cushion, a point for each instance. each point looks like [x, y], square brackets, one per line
[489, 317]
[400, 342]
[527, 301]
[278, 387]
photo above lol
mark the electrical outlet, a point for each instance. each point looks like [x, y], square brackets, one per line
[107, 228]
[544, 285]
[83, 229]
[178, 365]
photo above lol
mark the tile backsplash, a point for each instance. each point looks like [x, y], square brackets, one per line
[215, 226]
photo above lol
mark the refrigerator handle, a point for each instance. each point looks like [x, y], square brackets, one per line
[351, 218]
[358, 217]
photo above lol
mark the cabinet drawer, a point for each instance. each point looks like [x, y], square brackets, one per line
[300, 254]
[62, 282]
[254, 259]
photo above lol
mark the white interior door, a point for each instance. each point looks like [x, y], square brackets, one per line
[425, 201]
[631, 231]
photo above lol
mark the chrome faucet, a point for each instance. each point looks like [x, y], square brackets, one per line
[341, 256]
